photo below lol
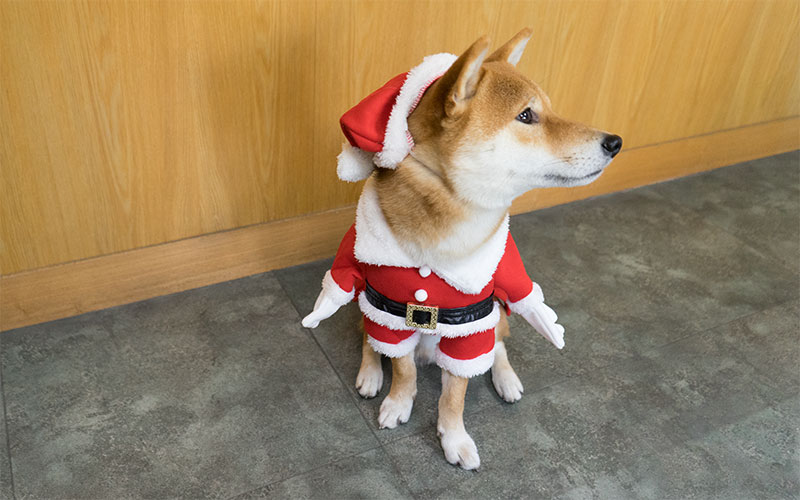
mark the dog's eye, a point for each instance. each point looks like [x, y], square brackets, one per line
[528, 116]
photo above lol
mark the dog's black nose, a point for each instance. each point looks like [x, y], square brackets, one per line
[612, 144]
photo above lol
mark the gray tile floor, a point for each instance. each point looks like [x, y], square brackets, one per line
[680, 378]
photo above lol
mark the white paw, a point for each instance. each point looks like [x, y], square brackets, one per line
[507, 384]
[394, 412]
[369, 381]
[460, 449]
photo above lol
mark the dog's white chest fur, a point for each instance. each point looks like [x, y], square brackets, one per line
[466, 259]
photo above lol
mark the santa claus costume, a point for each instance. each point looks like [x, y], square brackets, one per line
[401, 297]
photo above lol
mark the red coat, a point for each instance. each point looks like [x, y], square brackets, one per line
[510, 281]
[466, 349]
[369, 252]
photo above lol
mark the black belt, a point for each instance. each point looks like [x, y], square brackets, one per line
[419, 316]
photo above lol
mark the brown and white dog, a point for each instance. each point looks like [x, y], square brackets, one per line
[483, 134]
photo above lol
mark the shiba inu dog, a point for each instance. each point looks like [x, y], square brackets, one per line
[446, 147]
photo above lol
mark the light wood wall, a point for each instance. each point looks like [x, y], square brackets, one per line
[128, 124]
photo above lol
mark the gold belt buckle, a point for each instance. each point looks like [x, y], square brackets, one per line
[430, 325]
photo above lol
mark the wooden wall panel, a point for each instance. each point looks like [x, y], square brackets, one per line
[125, 124]
[660, 71]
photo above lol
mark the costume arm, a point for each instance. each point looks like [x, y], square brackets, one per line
[525, 297]
[339, 284]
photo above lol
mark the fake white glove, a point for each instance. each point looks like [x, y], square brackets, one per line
[541, 317]
[330, 299]
[324, 308]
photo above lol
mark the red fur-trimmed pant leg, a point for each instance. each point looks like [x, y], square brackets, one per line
[467, 356]
[392, 343]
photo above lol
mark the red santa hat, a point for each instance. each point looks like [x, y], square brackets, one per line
[377, 128]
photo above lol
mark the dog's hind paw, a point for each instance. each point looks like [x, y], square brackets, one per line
[459, 449]
[507, 384]
[394, 412]
[369, 381]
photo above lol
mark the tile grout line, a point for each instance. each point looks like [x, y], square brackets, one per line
[397, 470]
[678, 204]
[775, 260]
[346, 387]
[321, 466]
[5, 427]
[778, 261]
[328, 359]
[654, 350]
[672, 445]
[745, 359]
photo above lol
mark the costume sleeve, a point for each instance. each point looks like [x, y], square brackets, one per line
[525, 297]
[516, 288]
[511, 277]
[346, 276]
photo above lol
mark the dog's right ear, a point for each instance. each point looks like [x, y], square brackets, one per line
[462, 78]
[511, 52]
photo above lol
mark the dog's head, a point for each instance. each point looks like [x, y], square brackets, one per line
[493, 135]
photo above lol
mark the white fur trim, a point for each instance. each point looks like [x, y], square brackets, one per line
[393, 322]
[376, 244]
[397, 142]
[527, 303]
[397, 350]
[354, 164]
[465, 367]
[334, 292]
[471, 273]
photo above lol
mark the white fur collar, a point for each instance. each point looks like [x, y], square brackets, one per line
[376, 244]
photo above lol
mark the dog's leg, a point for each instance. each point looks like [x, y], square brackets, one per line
[396, 407]
[370, 376]
[504, 379]
[459, 448]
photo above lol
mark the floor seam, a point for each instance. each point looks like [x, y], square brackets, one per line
[397, 471]
[778, 261]
[353, 397]
[744, 316]
[345, 386]
[316, 468]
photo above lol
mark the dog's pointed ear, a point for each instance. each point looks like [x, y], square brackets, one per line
[511, 52]
[462, 78]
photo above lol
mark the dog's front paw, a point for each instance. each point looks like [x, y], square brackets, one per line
[460, 449]
[394, 412]
[506, 383]
[369, 380]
